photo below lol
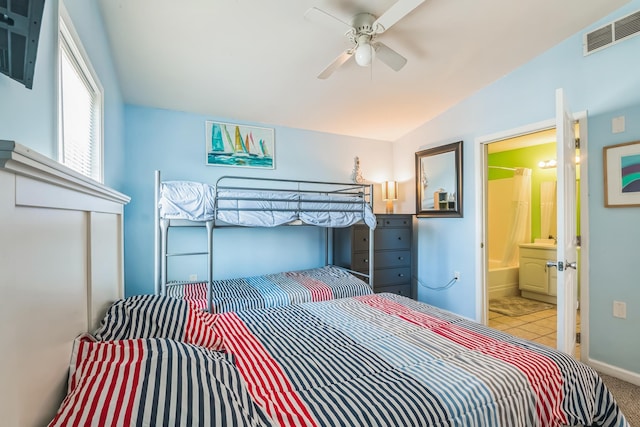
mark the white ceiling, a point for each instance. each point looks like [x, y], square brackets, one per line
[257, 61]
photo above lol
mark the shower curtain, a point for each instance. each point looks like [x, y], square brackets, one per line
[519, 224]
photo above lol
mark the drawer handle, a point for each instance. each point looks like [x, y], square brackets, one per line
[388, 222]
[365, 260]
[400, 258]
[400, 275]
[399, 238]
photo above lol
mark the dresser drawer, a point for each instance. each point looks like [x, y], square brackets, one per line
[392, 276]
[404, 290]
[393, 222]
[392, 259]
[392, 238]
[360, 262]
[360, 238]
[386, 259]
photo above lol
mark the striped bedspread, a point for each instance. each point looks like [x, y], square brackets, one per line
[371, 360]
[272, 290]
[385, 360]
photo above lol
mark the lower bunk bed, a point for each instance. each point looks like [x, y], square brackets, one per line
[372, 360]
[271, 290]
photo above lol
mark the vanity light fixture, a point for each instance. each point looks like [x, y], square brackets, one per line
[547, 164]
[389, 194]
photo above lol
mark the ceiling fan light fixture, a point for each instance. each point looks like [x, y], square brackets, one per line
[365, 53]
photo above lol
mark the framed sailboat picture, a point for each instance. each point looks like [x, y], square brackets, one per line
[235, 145]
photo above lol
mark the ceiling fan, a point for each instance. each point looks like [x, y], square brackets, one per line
[362, 32]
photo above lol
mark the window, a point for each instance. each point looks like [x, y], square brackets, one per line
[79, 106]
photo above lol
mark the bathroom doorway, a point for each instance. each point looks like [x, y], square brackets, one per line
[520, 230]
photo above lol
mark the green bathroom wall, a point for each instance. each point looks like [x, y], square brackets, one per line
[527, 157]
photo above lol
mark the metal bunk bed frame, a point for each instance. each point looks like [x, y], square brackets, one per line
[162, 225]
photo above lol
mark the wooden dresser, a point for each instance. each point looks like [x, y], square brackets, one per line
[392, 252]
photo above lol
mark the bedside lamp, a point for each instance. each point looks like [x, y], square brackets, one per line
[389, 194]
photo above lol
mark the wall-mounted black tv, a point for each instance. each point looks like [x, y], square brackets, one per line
[19, 32]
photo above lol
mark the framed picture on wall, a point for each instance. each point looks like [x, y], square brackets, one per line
[622, 175]
[236, 145]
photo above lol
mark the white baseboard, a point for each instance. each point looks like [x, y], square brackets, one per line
[614, 371]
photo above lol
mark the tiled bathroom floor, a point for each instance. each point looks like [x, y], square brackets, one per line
[539, 327]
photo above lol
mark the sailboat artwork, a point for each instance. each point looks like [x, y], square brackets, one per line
[238, 145]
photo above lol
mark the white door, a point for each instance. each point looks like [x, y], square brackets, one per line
[567, 301]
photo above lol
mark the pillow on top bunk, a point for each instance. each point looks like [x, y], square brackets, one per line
[186, 200]
[149, 382]
[153, 316]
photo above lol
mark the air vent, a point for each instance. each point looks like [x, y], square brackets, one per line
[611, 33]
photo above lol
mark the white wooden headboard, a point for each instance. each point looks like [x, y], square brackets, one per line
[61, 265]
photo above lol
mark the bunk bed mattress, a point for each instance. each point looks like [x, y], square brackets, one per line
[377, 360]
[196, 201]
[272, 290]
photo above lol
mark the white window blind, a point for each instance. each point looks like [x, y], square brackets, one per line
[80, 109]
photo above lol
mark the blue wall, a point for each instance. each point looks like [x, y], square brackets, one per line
[615, 254]
[606, 85]
[29, 117]
[173, 142]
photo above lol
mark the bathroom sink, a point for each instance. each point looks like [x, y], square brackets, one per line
[546, 242]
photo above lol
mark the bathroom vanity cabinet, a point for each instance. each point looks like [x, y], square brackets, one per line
[536, 280]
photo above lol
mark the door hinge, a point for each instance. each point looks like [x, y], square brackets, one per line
[577, 337]
[578, 240]
[577, 142]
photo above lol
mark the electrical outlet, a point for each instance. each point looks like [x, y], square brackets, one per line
[456, 275]
[193, 277]
[620, 309]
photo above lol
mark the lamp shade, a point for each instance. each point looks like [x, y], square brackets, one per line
[389, 190]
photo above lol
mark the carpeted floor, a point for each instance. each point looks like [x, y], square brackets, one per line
[517, 306]
[628, 397]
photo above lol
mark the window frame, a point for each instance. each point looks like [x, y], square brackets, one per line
[69, 41]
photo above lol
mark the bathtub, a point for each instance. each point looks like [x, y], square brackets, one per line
[502, 281]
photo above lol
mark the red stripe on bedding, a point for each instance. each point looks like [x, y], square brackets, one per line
[320, 291]
[84, 348]
[135, 378]
[111, 403]
[533, 365]
[195, 291]
[267, 383]
[200, 328]
[116, 356]
[94, 367]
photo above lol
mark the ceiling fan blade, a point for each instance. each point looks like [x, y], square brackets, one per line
[325, 18]
[389, 56]
[399, 10]
[341, 59]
